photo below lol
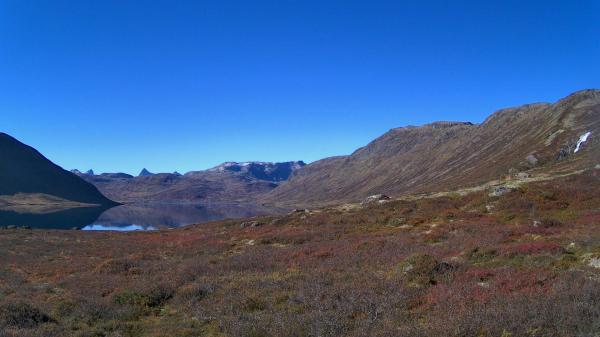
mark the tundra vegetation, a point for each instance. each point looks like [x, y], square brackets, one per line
[524, 263]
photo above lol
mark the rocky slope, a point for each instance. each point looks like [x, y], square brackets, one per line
[446, 155]
[24, 170]
[228, 182]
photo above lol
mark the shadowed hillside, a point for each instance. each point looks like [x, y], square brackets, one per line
[25, 170]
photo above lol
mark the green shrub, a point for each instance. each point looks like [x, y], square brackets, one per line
[566, 261]
[153, 297]
[193, 292]
[254, 304]
[481, 254]
[396, 222]
[64, 308]
[422, 269]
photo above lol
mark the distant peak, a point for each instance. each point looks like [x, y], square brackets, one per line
[237, 166]
[89, 172]
[256, 169]
[145, 173]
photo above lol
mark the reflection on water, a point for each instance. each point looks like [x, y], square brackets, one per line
[129, 217]
[123, 228]
[67, 219]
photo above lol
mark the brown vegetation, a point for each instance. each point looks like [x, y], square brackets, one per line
[519, 264]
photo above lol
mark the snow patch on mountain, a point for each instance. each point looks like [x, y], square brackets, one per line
[257, 169]
[582, 139]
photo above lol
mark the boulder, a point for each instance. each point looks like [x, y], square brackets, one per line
[594, 262]
[299, 211]
[499, 190]
[379, 198]
[395, 222]
[523, 175]
[250, 224]
[532, 160]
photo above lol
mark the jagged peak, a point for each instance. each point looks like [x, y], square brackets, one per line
[230, 164]
[145, 173]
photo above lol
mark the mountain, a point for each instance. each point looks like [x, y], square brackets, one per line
[258, 170]
[228, 182]
[24, 170]
[535, 138]
[89, 172]
[145, 173]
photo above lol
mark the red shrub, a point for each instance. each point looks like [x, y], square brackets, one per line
[532, 248]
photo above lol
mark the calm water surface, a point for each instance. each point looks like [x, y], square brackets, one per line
[148, 216]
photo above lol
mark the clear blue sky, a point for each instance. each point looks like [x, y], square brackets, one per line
[184, 85]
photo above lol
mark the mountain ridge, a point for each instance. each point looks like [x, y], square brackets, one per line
[417, 159]
[228, 182]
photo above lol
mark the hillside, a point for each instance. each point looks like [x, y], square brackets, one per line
[445, 155]
[228, 182]
[25, 170]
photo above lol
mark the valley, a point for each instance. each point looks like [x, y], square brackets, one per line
[447, 229]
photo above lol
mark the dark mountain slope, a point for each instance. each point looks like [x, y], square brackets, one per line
[25, 170]
[447, 155]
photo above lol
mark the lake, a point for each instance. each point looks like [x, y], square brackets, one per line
[146, 216]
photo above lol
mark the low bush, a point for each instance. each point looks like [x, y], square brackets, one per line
[150, 298]
[532, 248]
[423, 269]
[21, 315]
[481, 254]
[192, 293]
